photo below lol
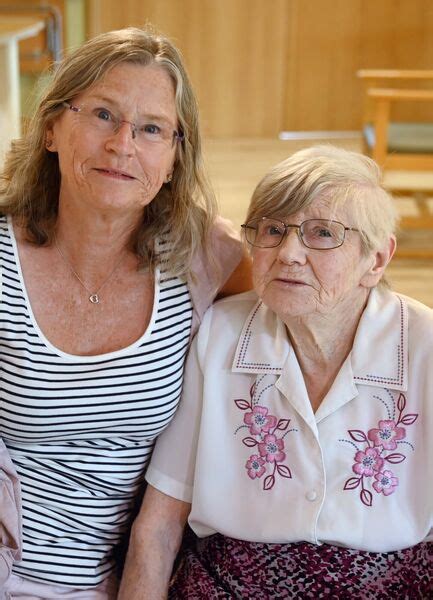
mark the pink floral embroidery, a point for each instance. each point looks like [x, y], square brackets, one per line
[271, 448]
[387, 435]
[255, 466]
[370, 462]
[265, 430]
[385, 483]
[259, 420]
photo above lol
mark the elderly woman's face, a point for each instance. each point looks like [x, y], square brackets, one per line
[105, 160]
[296, 281]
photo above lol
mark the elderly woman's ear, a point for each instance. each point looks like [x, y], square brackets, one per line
[379, 261]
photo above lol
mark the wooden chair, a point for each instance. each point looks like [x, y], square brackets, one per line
[401, 146]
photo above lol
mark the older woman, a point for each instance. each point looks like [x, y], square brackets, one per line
[302, 449]
[109, 256]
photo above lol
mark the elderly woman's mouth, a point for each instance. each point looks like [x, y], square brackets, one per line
[113, 173]
[289, 281]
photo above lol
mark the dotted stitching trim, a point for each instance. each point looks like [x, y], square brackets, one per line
[245, 344]
[400, 354]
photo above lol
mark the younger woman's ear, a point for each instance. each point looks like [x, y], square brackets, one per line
[379, 262]
[50, 144]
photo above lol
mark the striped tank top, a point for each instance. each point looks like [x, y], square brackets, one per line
[80, 429]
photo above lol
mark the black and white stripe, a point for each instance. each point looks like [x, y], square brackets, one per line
[80, 430]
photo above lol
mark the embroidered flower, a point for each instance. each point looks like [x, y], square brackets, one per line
[255, 466]
[387, 435]
[385, 483]
[379, 449]
[367, 463]
[258, 420]
[271, 448]
[266, 435]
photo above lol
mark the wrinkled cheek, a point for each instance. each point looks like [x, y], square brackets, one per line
[332, 293]
[259, 283]
[149, 190]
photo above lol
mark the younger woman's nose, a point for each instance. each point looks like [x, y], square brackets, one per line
[122, 139]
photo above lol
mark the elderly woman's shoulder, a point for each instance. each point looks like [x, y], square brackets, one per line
[417, 309]
[234, 309]
[224, 320]
[419, 321]
[236, 302]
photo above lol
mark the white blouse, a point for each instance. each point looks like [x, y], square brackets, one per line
[257, 464]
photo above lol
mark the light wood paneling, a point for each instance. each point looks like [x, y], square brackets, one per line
[262, 66]
[238, 74]
[331, 39]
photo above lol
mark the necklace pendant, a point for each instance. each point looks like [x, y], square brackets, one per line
[94, 299]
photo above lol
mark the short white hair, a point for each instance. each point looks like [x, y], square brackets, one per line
[342, 177]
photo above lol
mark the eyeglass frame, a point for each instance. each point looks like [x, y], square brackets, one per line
[177, 136]
[299, 233]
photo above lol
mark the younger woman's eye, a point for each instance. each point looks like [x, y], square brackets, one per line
[152, 129]
[103, 114]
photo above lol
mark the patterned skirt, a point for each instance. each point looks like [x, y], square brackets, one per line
[218, 567]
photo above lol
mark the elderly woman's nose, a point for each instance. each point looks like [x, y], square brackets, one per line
[291, 248]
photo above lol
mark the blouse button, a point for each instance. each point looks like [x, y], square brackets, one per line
[311, 495]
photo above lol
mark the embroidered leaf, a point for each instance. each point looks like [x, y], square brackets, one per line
[268, 482]
[284, 471]
[357, 435]
[409, 419]
[366, 497]
[252, 391]
[401, 402]
[395, 458]
[242, 404]
[250, 442]
[352, 483]
[283, 424]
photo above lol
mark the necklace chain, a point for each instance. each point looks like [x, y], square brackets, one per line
[94, 296]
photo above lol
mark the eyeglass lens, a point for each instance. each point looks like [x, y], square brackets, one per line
[320, 234]
[103, 120]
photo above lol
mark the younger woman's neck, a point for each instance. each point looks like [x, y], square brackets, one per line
[95, 233]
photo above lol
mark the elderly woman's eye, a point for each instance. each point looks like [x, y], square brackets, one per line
[273, 230]
[323, 232]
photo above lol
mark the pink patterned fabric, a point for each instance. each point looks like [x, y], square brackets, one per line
[218, 567]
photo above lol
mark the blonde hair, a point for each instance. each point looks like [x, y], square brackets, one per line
[30, 183]
[339, 176]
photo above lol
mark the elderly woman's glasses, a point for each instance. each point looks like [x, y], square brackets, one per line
[317, 234]
[104, 121]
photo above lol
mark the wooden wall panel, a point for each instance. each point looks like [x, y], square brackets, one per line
[332, 39]
[262, 66]
[238, 74]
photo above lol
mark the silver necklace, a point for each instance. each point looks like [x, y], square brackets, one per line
[94, 296]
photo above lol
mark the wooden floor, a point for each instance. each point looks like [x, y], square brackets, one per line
[236, 166]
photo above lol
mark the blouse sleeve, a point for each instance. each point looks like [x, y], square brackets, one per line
[10, 515]
[171, 469]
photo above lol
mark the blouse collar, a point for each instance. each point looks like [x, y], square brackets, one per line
[379, 355]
